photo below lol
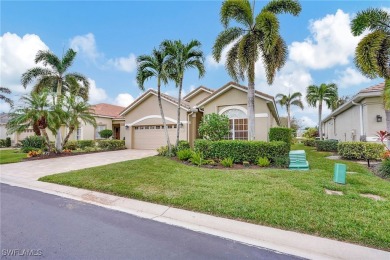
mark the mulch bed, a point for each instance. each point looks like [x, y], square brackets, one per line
[221, 167]
[59, 155]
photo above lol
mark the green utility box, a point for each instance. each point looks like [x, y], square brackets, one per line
[340, 172]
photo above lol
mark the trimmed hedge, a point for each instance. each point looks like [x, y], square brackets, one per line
[309, 142]
[281, 134]
[71, 145]
[183, 145]
[2, 143]
[241, 151]
[327, 145]
[111, 144]
[85, 143]
[360, 150]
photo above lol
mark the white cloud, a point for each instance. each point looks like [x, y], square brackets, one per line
[127, 64]
[4, 107]
[96, 94]
[331, 43]
[308, 122]
[350, 77]
[86, 45]
[17, 55]
[124, 99]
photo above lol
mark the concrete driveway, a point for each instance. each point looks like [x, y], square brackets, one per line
[33, 170]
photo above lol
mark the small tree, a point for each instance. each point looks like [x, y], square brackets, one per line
[214, 127]
[106, 133]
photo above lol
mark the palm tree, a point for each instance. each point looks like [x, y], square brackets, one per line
[339, 102]
[150, 66]
[4, 98]
[288, 101]
[318, 94]
[180, 58]
[372, 54]
[36, 109]
[77, 111]
[253, 36]
[54, 76]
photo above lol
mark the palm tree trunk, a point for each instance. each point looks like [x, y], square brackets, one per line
[44, 134]
[163, 117]
[319, 119]
[71, 129]
[178, 113]
[58, 143]
[36, 129]
[288, 117]
[251, 102]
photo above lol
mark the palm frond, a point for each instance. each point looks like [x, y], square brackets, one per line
[283, 6]
[34, 73]
[297, 103]
[67, 60]
[267, 23]
[224, 39]
[373, 19]
[232, 65]
[49, 58]
[238, 10]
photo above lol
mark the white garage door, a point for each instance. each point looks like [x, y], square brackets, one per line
[152, 137]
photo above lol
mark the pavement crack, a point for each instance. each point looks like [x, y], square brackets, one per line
[161, 213]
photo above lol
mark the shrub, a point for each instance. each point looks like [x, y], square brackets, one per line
[34, 153]
[183, 145]
[281, 134]
[281, 161]
[197, 158]
[327, 145]
[184, 155]
[227, 162]
[28, 149]
[360, 150]
[8, 142]
[85, 143]
[246, 163]
[263, 162]
[33, 141]
[241, 150]
[311, 133]
[111, 144]
[163, 151]
[214, 127]
[71, 145]
[2, 143]
[106, 133]
[309, 142]
[384, 169]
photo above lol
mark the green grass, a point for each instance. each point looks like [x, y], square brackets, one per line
[11, 156]
[291, 200]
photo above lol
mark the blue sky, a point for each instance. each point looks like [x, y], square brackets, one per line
[109, 35]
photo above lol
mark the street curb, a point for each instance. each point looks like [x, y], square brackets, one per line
[288, 242]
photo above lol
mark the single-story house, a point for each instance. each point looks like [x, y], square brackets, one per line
[143, 123]
[106, 116]
[359, 119]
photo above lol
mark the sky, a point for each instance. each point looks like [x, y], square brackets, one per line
[109, 35]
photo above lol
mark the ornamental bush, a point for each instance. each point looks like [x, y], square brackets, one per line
[111, 144]
[106, 133]
[85, 143]
[183, 145]
[384, 169]
[2, 143]
[8, 142]
[71, 145]
[214, 127]
[360, 150]
[309, 142]
[281, 134]
[33, 141]
[327, 145]
[240, 150]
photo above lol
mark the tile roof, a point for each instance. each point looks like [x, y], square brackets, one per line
[4, 118]
[198, 88]
[174, 100]
[376, 88]
[109, 110]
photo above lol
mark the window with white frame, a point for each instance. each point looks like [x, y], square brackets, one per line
[78, 133]
[238, 123]
[98, 129]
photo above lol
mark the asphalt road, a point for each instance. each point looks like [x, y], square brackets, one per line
[51, 227]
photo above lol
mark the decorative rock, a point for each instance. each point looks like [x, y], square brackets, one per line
[333, 192]
[372, 196]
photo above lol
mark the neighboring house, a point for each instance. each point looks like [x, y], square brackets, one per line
[358, 119]
[106, 116]
[144, 129]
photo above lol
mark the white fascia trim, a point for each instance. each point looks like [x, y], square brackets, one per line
[197, 91]
[95, 115]
[261, 115]
[223, 110]
[154, 116]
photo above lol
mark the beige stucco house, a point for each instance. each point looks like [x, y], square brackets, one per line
[106, 116]
[358, 119]
[143, 123]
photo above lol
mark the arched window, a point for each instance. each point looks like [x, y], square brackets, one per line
[238, 124]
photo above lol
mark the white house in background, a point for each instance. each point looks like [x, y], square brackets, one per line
[358, 119]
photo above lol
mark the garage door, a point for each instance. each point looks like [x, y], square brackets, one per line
[152, 137]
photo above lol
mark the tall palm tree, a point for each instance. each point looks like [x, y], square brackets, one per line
[4, 98]
[54, 76]
[251, 37]
[288, 101]
[77, 111]
[372, 54]
[150, 66]
[182, 57]
[339, 102]
[317, 95]
[36, 109]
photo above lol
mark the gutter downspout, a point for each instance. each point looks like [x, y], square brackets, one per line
[361, 117]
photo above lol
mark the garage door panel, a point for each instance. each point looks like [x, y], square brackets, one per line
[152, 138]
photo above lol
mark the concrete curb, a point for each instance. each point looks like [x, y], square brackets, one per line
[289, 242]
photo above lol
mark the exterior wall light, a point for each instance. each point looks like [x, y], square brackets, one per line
[378, 118]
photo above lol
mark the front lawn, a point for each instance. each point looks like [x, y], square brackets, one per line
[291, 200]
[11, 156]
